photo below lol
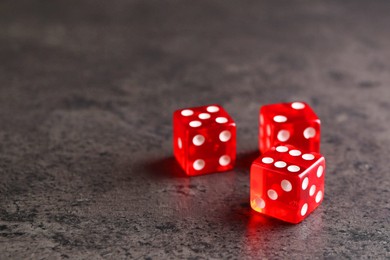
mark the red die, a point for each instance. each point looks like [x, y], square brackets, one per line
[294, 123]
[286, 183]
[204, 139]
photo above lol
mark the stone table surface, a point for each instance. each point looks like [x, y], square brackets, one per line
[87, 92]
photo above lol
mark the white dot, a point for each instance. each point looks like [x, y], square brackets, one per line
[179, 143]
[282, 149]
[212, 109]
[286, 185]
[309, 132]
[320, 170]
[224, 160]
[221, 120]
[258, 203]
[204, 116]
[225, 136]
[295, 152]
[308, 156]
[304, 209]
[199, 164]
[297, 105]
[283, 135]
[187, 112]
[312, 190]
[280, 164]
[261, 119]
[319, 196]
[305, 183]
[198, 140]
[268, 130]
[293, 168]
[195, 123]
[272, 194]
[280, 119]
[267, 160]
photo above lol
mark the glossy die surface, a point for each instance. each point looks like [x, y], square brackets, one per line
[286, 183]
[204, 139]
[292, 123]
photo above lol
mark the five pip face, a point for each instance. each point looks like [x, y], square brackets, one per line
[286, 181]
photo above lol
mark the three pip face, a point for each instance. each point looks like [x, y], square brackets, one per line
[286, 181]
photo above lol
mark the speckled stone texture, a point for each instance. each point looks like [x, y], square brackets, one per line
[87, 92]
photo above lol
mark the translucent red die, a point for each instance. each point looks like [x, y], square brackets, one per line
[204, 139]
[286, 183]
[292, 123]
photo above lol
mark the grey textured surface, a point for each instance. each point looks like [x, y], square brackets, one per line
[87, 91]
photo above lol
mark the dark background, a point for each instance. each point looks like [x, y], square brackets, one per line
[87, 92]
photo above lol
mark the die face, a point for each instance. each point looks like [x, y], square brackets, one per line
[305, 135]
[286, 183]
[207, 136]
[285, 112]
[214, 147]
[179, 136]
[293, 123]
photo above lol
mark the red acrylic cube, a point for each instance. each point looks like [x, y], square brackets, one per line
[204, 139]
[286, 183]
[291, 123]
